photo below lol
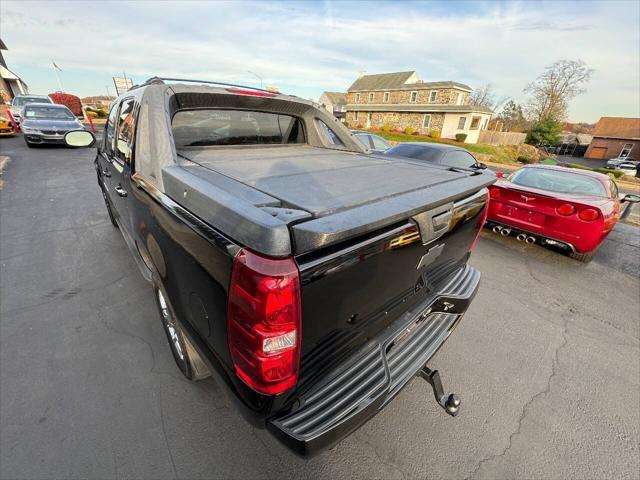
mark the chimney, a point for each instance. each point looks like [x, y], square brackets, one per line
[362, 73]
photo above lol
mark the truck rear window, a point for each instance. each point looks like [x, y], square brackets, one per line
[195, 128]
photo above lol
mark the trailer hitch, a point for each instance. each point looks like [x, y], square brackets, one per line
[450, 402]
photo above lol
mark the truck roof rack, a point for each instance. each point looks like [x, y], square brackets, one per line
[163, 80]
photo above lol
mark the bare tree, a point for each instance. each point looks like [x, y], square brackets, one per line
[512, 118]
[483, 97]
[551, 92]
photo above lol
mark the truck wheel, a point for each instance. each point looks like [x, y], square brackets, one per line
[106, 202]
[582, 257]
[174, 335]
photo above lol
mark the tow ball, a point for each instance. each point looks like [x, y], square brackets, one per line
[449, 401]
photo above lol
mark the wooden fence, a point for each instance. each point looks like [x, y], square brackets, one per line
[501, 138]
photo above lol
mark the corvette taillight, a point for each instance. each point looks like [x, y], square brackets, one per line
[264, 328]
[565, 209]
[589, 214]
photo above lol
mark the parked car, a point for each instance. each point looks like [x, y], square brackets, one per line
[436, 153]
[44, 123]
[374, 142]
[551, 205]
[616, 162]
[311, 280]
[20, 101]
[6, 127]
[629, 168]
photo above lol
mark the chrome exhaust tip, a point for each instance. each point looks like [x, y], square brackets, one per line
[531, 240]
[522, 237]
[505, 231]
[497, 229]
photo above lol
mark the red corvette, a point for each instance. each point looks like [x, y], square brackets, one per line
[574, 209]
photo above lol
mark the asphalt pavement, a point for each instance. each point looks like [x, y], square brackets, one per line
[546, 361]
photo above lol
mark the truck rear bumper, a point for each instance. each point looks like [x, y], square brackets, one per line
[347, 397]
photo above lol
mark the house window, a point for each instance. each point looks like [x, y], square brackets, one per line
[458, 98]
[432, 96]
[475, 122]
[371, 97]
[462, 122]
[386, 97]
[626, 150]
[427, 121]
[414, 97]
[357, 98]
[355, 116]
[484, 124]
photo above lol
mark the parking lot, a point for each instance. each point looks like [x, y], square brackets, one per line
[546, 361]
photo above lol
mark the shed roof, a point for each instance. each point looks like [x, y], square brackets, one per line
[618, 127]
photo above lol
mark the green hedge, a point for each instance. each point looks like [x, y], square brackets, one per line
[615, 173]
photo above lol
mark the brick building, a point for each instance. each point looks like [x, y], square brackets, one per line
[615, 137]
[401, 100]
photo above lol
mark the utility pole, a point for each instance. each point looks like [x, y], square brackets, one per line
[257, 76]
[55, 71]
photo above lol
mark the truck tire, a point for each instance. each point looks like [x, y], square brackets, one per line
[106, 202]
[582, 257]
[185, 356]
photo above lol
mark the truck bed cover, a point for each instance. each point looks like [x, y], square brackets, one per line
[256, 194]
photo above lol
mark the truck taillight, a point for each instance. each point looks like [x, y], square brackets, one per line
[264, 326]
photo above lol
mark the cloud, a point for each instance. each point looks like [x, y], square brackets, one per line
[307, 47]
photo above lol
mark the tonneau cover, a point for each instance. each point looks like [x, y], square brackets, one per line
[330, 195]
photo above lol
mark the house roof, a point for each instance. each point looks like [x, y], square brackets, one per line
[418, 108]
[336, 98]
[618, 127]
[380, 81]
[398, 81]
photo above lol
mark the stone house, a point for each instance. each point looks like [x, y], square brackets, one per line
[615, 137]
[335, 102]
[401, 100]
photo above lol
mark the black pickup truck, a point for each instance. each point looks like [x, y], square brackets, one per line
[310, 277]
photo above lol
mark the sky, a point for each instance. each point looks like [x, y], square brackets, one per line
[305, 48]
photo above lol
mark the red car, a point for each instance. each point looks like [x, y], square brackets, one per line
[570, 208]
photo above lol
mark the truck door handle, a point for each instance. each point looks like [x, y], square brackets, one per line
[120, 191]
[106, 173]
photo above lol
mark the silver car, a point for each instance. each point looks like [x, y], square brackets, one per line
[20, 101]
[47, 123]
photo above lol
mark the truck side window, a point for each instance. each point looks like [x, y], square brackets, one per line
[110, 128]
[329, 135]
[125, 130]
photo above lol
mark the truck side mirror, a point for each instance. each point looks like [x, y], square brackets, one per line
[630, 197]
[79, 138]
[480, 166]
